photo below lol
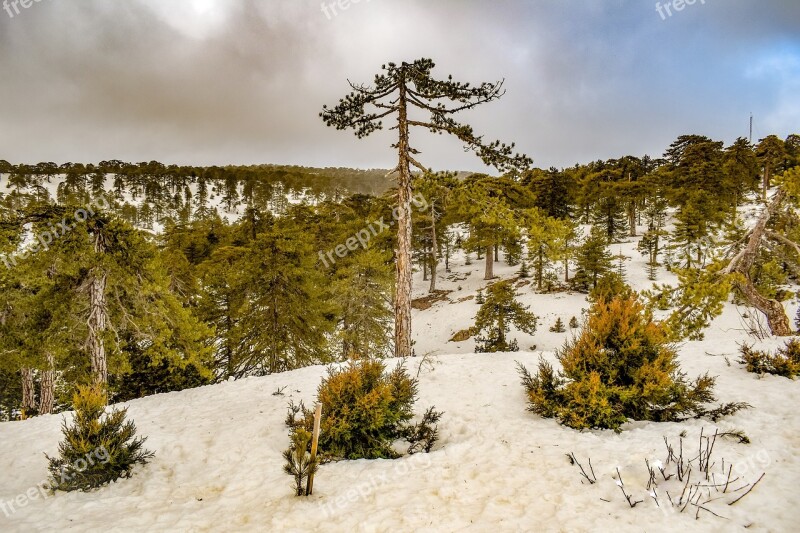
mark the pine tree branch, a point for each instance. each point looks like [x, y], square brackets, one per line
[783, 240]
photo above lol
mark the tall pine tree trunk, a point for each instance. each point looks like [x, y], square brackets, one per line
[489, 274]
[402, 303]
[47, 396]
[632, 219]
[434, 248]
[97, 325]
[28, 393]
[98, 315]
[539, 268]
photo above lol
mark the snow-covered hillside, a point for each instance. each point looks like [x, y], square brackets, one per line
[497, 467]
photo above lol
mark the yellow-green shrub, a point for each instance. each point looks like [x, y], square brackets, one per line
[620, 367]
[365, 410]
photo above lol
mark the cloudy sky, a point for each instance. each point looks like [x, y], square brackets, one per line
[243, 81]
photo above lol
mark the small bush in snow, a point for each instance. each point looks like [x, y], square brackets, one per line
[620, 367]
[610, 286]
[786, 362]
[364, 411]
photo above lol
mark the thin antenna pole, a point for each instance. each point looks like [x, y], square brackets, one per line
[751, 128]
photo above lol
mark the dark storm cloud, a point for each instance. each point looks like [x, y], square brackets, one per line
[203, 81]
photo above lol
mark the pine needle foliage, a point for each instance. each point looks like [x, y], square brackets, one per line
[558, 327]
[298, 460]
[620, 367]
[495, 317]
[365, 409]
[98, 447]
[785, 362]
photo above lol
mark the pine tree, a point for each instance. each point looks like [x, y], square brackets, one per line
[524, 271]
[98, 448]
[771, 153]
[558, 327]
[573, 323]
[621, 265]
[547, 239]
[695, 181]
[361, 292]
[652, 271]
[554, 191]
[741, 168]
[610, 214]
[400, 89]
[286, 316]
[102, 292]
[496, 316]
[479, 299]
[491, 207]
[650, 247]
[593, 260]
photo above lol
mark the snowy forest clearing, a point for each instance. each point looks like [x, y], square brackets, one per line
[305, 273]
[218, 464]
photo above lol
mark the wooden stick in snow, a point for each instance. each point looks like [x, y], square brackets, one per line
[314, 443]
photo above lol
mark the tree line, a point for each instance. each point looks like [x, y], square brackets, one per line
[206, 299]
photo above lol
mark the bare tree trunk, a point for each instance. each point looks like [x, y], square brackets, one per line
[773, 310]
[402, 303]
[97, 326]
[98, 316]
[489, 263]
[434, 248]
[447, 255]
[28, 393]
[632, 219]
[47, 396]
[539, 268]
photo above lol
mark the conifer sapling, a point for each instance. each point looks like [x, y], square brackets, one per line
[98, 448]
[298, 459]
[558, 327]
[479, 299]
[498, 313]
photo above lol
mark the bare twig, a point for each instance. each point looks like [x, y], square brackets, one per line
[633, 503]
[574, 460]
[748, 490]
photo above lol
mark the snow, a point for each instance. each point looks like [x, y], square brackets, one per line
[497, 467]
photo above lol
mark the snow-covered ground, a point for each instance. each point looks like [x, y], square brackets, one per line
[497, 467]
